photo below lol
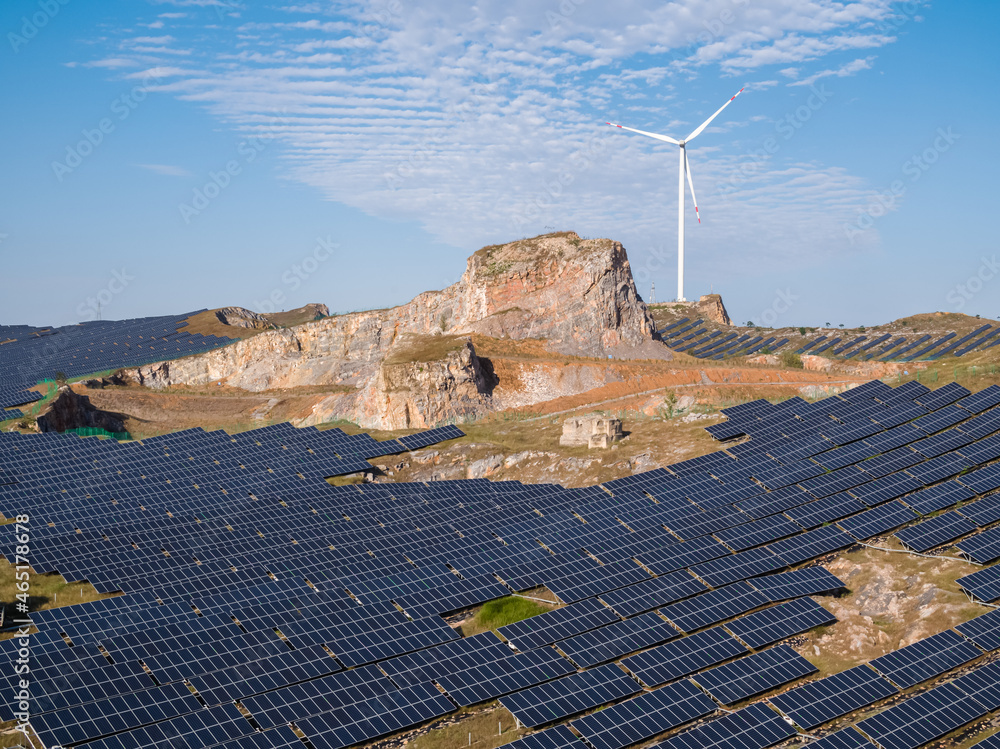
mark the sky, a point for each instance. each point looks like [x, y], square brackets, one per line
[164, 156]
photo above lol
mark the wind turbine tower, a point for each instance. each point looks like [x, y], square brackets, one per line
[684, 172]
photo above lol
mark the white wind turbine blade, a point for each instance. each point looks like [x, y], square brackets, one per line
[703, 125]
[667, 138]
[687, 170]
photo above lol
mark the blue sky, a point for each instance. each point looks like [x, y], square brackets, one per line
[169, 155]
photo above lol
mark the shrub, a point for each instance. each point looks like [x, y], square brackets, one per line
[792, 360]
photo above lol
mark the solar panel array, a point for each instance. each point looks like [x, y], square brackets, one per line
[36, 354]
[701, 340]
[252, 579]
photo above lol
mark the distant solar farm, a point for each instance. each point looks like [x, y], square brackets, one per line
[704, 340]
[265, 608]
[30, 355]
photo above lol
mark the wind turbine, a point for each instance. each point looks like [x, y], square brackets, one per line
[684, 171]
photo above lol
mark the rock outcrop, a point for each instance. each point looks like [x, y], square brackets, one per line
[710, 307]
[576, 294]
[243, 318]
[70, 410]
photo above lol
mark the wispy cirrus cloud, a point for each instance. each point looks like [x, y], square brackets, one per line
[482, 121]
[855, 66]
[167, 170]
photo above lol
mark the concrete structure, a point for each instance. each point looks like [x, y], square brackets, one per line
[592, 430]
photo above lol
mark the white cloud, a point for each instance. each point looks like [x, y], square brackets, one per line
[481, 121]
[843, 71]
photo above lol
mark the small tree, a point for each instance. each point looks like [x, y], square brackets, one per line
[802, 331]
[791, 360]
[669, 407]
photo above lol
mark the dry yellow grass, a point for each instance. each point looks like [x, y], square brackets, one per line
[485, 727]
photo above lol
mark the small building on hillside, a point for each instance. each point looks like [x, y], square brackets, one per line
[592, 430]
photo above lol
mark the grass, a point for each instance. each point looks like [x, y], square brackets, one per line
[425, 348]
[46, 592]
[479, 724]
[502, 612]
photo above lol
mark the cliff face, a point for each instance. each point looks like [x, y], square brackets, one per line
[577, 294]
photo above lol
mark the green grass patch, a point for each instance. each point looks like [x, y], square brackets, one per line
[504, 611]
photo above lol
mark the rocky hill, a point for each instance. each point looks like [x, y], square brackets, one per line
[576, 294]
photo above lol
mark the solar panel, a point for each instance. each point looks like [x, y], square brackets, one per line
[207, 727]
[544, 629]
[684, 656]
[570, 695]
[754, 674]
[615, 640]
[925, 658]
[457, 655]
[645, 716]
[557, 737]
[714, 606]
[939, 497]
[825, 510]
[979, 402]
[943, 396]
[759, 532]
[378, 716]
[810, 545]
[982, 684]
[982, 548]
[936, 531]
[492, 680]
[282, 737]
[984, 480]
[774, 624]
[984, 630]
[739, 566]
[803, 582]
[878, 520]
[660, 591]
[984, 584]
[990, 742]
[299, 701]
[593, 582]
[820, 701]
[923, 718]
[982, 512]
[753, 727]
